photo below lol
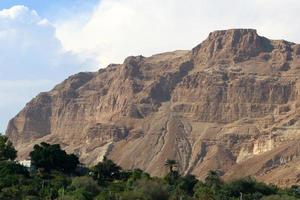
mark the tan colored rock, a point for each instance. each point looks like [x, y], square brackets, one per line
[232, 104]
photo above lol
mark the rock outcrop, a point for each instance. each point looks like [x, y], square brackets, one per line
[231, 104]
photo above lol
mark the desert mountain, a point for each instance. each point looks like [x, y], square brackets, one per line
[231, 104]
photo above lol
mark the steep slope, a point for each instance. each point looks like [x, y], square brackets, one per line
[231, 103]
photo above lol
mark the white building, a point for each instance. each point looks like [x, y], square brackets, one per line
[25, 163]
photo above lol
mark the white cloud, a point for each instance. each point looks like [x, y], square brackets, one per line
[31, 59]
[118, 28]
[29, 48]
[35, 53]
[18, 11]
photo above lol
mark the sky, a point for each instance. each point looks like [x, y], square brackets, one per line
[42, 42]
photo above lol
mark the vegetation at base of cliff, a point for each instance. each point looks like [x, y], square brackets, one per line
[54, 176]
[7, 151]
[51, 157]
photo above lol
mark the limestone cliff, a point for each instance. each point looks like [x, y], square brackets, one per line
[231, 103]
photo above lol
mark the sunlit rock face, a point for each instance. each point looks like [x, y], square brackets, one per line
[230, 104]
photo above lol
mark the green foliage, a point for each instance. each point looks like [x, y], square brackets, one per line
[187, 184]
[86, 186]
[152, 190]
[132, 195]
[203, 191]
[51, 157]
[279, 197]
[134, 176]
[213, 179]
[109, 182]
[12, 168]
[7, 151]
[293, 191]
[15, 182]
[106, 171]
[249, 188]
[11, 174]
[54, 182]
[172, 177]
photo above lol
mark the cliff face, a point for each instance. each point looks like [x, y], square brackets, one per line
[231, 103]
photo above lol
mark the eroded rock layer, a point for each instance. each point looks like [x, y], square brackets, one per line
[230, 104]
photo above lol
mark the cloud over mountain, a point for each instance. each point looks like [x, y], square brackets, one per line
[37, 49]
[117, 29]
[32, 58]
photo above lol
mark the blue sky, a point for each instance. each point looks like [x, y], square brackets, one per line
[53, 9]
[39, 65]
[42, 42]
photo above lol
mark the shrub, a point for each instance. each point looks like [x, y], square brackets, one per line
[7, 151]
[51, 157]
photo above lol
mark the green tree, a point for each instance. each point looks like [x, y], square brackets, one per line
[84, 188]
[51, 157]
[13, 180]
[12, 168]
[187, 183]
[132, 195]
[86, 183]
[279, 197]
[249, 188]
[294, 190]
[135, 175]
[106, 171]
[213, 179]
[172, 178]
[153, 190]
[7, 151]
[203, 192]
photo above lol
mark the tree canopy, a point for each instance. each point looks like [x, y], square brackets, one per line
[52, 157]
[108, 181]
[106, 171]
[7, 151]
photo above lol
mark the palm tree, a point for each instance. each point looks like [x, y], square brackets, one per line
[171, 164]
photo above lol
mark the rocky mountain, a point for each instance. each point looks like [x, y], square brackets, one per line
[231, 104]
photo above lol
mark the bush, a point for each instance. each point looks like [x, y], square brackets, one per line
[12, 168]
[279, 197]
[86, 183]
[204, 192]
[106, 171]
[110, 182]
[153, 190]
[7, 151]
[51, 157]
[81, 188]
[132, 195]
[248, 187]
